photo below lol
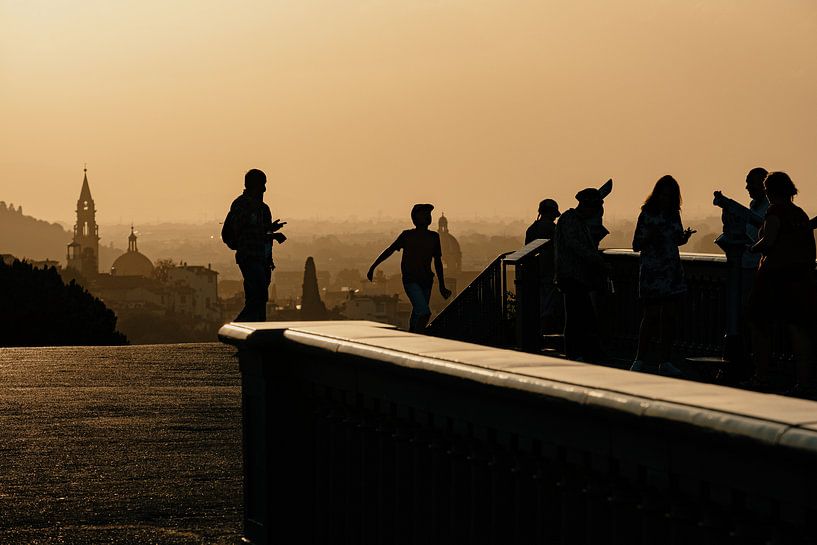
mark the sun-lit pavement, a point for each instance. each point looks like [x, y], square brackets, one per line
[138, 444]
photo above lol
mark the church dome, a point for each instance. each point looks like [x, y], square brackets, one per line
[132, 262]
[452, 255]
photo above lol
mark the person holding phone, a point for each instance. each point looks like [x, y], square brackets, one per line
[658, 234]
[249, 230]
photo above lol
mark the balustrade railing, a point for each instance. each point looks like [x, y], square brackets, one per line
[702, 323]
[479, 315]
[355, 433]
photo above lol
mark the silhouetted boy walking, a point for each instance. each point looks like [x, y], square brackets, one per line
[250, 231]
[419, 246]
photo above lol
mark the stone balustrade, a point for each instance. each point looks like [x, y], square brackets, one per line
[354, 432]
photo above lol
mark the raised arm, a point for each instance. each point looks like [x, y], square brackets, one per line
[384, 255]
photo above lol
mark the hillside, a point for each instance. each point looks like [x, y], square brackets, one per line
[30, 238]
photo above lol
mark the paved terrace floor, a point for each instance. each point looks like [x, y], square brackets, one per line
[137, 444]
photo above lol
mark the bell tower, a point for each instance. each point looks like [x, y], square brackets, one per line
[83, 252]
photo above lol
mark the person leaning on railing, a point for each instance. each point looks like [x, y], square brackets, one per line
[784, 290]
[580, 270]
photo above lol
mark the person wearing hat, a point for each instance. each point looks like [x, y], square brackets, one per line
[545, 224]
[580, 270]
[419, 246]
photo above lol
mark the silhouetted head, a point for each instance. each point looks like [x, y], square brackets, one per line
[754, 182]
[421, 214]
[549, 209]
[779, 187]
[665, 196]
[591, 202]
[255, 181]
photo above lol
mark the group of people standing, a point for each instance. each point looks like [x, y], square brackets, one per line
[779, 262]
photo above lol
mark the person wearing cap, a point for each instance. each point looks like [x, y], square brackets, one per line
[419, 246]
[551, 311]
[545, 224]
[580, 270]
[249, 230]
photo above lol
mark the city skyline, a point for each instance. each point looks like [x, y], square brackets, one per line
[362, 109]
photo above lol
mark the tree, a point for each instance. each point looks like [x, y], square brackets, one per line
[38, 309]
[162, 269]
[312, 308]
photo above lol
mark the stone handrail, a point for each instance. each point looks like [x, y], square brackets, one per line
[357, 432]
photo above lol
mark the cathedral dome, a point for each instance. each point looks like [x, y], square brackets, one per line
[132, 262]
[452, 255]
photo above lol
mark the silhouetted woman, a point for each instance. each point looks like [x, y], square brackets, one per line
[784, 290]
[661, 283]
[420, 247]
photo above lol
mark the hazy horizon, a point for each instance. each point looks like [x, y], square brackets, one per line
[359, 109]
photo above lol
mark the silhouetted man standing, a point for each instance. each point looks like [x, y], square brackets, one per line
[250, 231]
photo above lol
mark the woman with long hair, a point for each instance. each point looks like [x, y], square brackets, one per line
[661, 283]
[784, 291]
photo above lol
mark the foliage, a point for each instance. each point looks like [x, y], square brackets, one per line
[38, 309]
[162, 268]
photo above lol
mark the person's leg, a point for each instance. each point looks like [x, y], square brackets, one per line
[649, 319]
[571, 331]
[803, 353]
[581, 325]
[425, 311]
[591, 341]
[669, 324]
[761, 351]
[263, 295]
[420, 312]
[256, 283]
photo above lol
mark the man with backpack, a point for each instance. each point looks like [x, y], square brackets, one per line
[249, 231]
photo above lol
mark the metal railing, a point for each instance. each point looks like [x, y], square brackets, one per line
[702, 323]
[477, 313]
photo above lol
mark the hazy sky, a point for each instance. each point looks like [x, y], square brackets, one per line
[482, 107]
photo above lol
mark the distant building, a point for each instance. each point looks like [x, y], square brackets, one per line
[452, 255]
[194, 291]
[387, 309]
[132, 262]
[131, 293]
[83, 251]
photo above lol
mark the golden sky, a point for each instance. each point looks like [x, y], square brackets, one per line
[362, 107]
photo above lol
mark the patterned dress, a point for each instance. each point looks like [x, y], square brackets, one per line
[657, 237]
